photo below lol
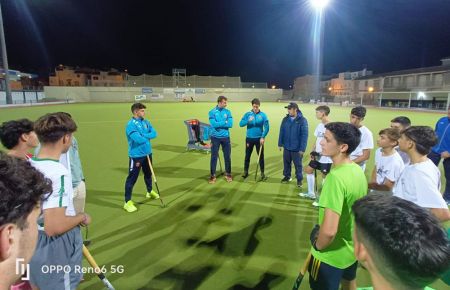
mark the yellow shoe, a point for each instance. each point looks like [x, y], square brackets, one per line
[152, 194]
[129, 206]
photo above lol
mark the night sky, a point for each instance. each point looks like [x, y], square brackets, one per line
[259, 40]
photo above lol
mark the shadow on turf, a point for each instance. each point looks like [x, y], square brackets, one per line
[231, 244]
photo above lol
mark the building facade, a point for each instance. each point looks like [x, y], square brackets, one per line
[80, 77]
[427, 87]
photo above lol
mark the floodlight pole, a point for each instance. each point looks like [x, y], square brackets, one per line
[5, 60]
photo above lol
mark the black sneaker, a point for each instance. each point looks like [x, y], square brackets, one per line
[299, 183]
[263, 177]
[286, 179]
[245, 175]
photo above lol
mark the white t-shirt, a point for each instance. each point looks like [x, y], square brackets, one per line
[365, 143]
[319, 133]
[62, 192]
[388, 167]
[420, 183]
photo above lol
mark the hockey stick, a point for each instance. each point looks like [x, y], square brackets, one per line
[259, 158]
[97, 269]
[302, 272]
[154, 179]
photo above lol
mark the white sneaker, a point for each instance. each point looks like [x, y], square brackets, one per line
[315, 204]
[307, 195]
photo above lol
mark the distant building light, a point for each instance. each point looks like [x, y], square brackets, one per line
[370, 89]
[330, 89]
[274, 87]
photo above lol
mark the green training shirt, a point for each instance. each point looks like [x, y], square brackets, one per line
[344, 185]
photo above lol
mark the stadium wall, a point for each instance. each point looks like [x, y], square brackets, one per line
[130, 94]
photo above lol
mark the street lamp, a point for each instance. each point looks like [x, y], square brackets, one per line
[319, 4]
[317, 43]
[5, 60]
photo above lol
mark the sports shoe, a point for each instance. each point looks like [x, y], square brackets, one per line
[263, 177]
[245, 174]
[315, 204]
[153, 194]
[212, 180]
[299, 183]
[228, 178]
[286, 179]
[129, 206]
[307, 195]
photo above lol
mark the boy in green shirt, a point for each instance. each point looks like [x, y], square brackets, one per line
[333, 261]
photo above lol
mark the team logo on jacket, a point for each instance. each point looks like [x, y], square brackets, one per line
[225, 115]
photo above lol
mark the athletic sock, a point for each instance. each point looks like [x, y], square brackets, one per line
[310, 180]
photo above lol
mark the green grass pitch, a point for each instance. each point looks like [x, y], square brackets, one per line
[239, 235]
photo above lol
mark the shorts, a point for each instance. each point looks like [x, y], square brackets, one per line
[65, 251]
[322, 167]
[323, 276]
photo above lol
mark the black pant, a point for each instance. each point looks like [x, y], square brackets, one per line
[134, 167]
[226, 149]
[250, 143]
[290, 157]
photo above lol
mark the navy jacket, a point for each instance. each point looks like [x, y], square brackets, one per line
[443, 133]
[294, 133]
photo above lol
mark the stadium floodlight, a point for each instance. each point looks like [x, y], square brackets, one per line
[319, 4]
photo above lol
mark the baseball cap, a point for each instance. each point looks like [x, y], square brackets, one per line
[292, 105]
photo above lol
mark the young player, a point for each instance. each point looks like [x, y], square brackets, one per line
[59, 241]
[388, 163]
[401, 123]
[139, 133]
[318, 162]
[362, 152]
[257, 130]
[18, 137]
[420, 181]
[21, 190]
[221, 121]
[333, 261]
[401, 245]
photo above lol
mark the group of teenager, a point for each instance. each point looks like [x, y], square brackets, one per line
[42, 198]
[391, 224]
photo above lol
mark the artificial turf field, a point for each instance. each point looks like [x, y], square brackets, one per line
[239, 235]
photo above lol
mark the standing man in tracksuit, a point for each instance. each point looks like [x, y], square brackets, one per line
[257, 130]
[293, 139]
[442, 150]
[221, 121]
[139, 132]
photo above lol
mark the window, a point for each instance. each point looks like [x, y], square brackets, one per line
[95, 78]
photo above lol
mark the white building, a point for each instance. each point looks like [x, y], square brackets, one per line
[427, 87]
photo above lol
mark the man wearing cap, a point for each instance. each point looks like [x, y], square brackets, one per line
[293, 139]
